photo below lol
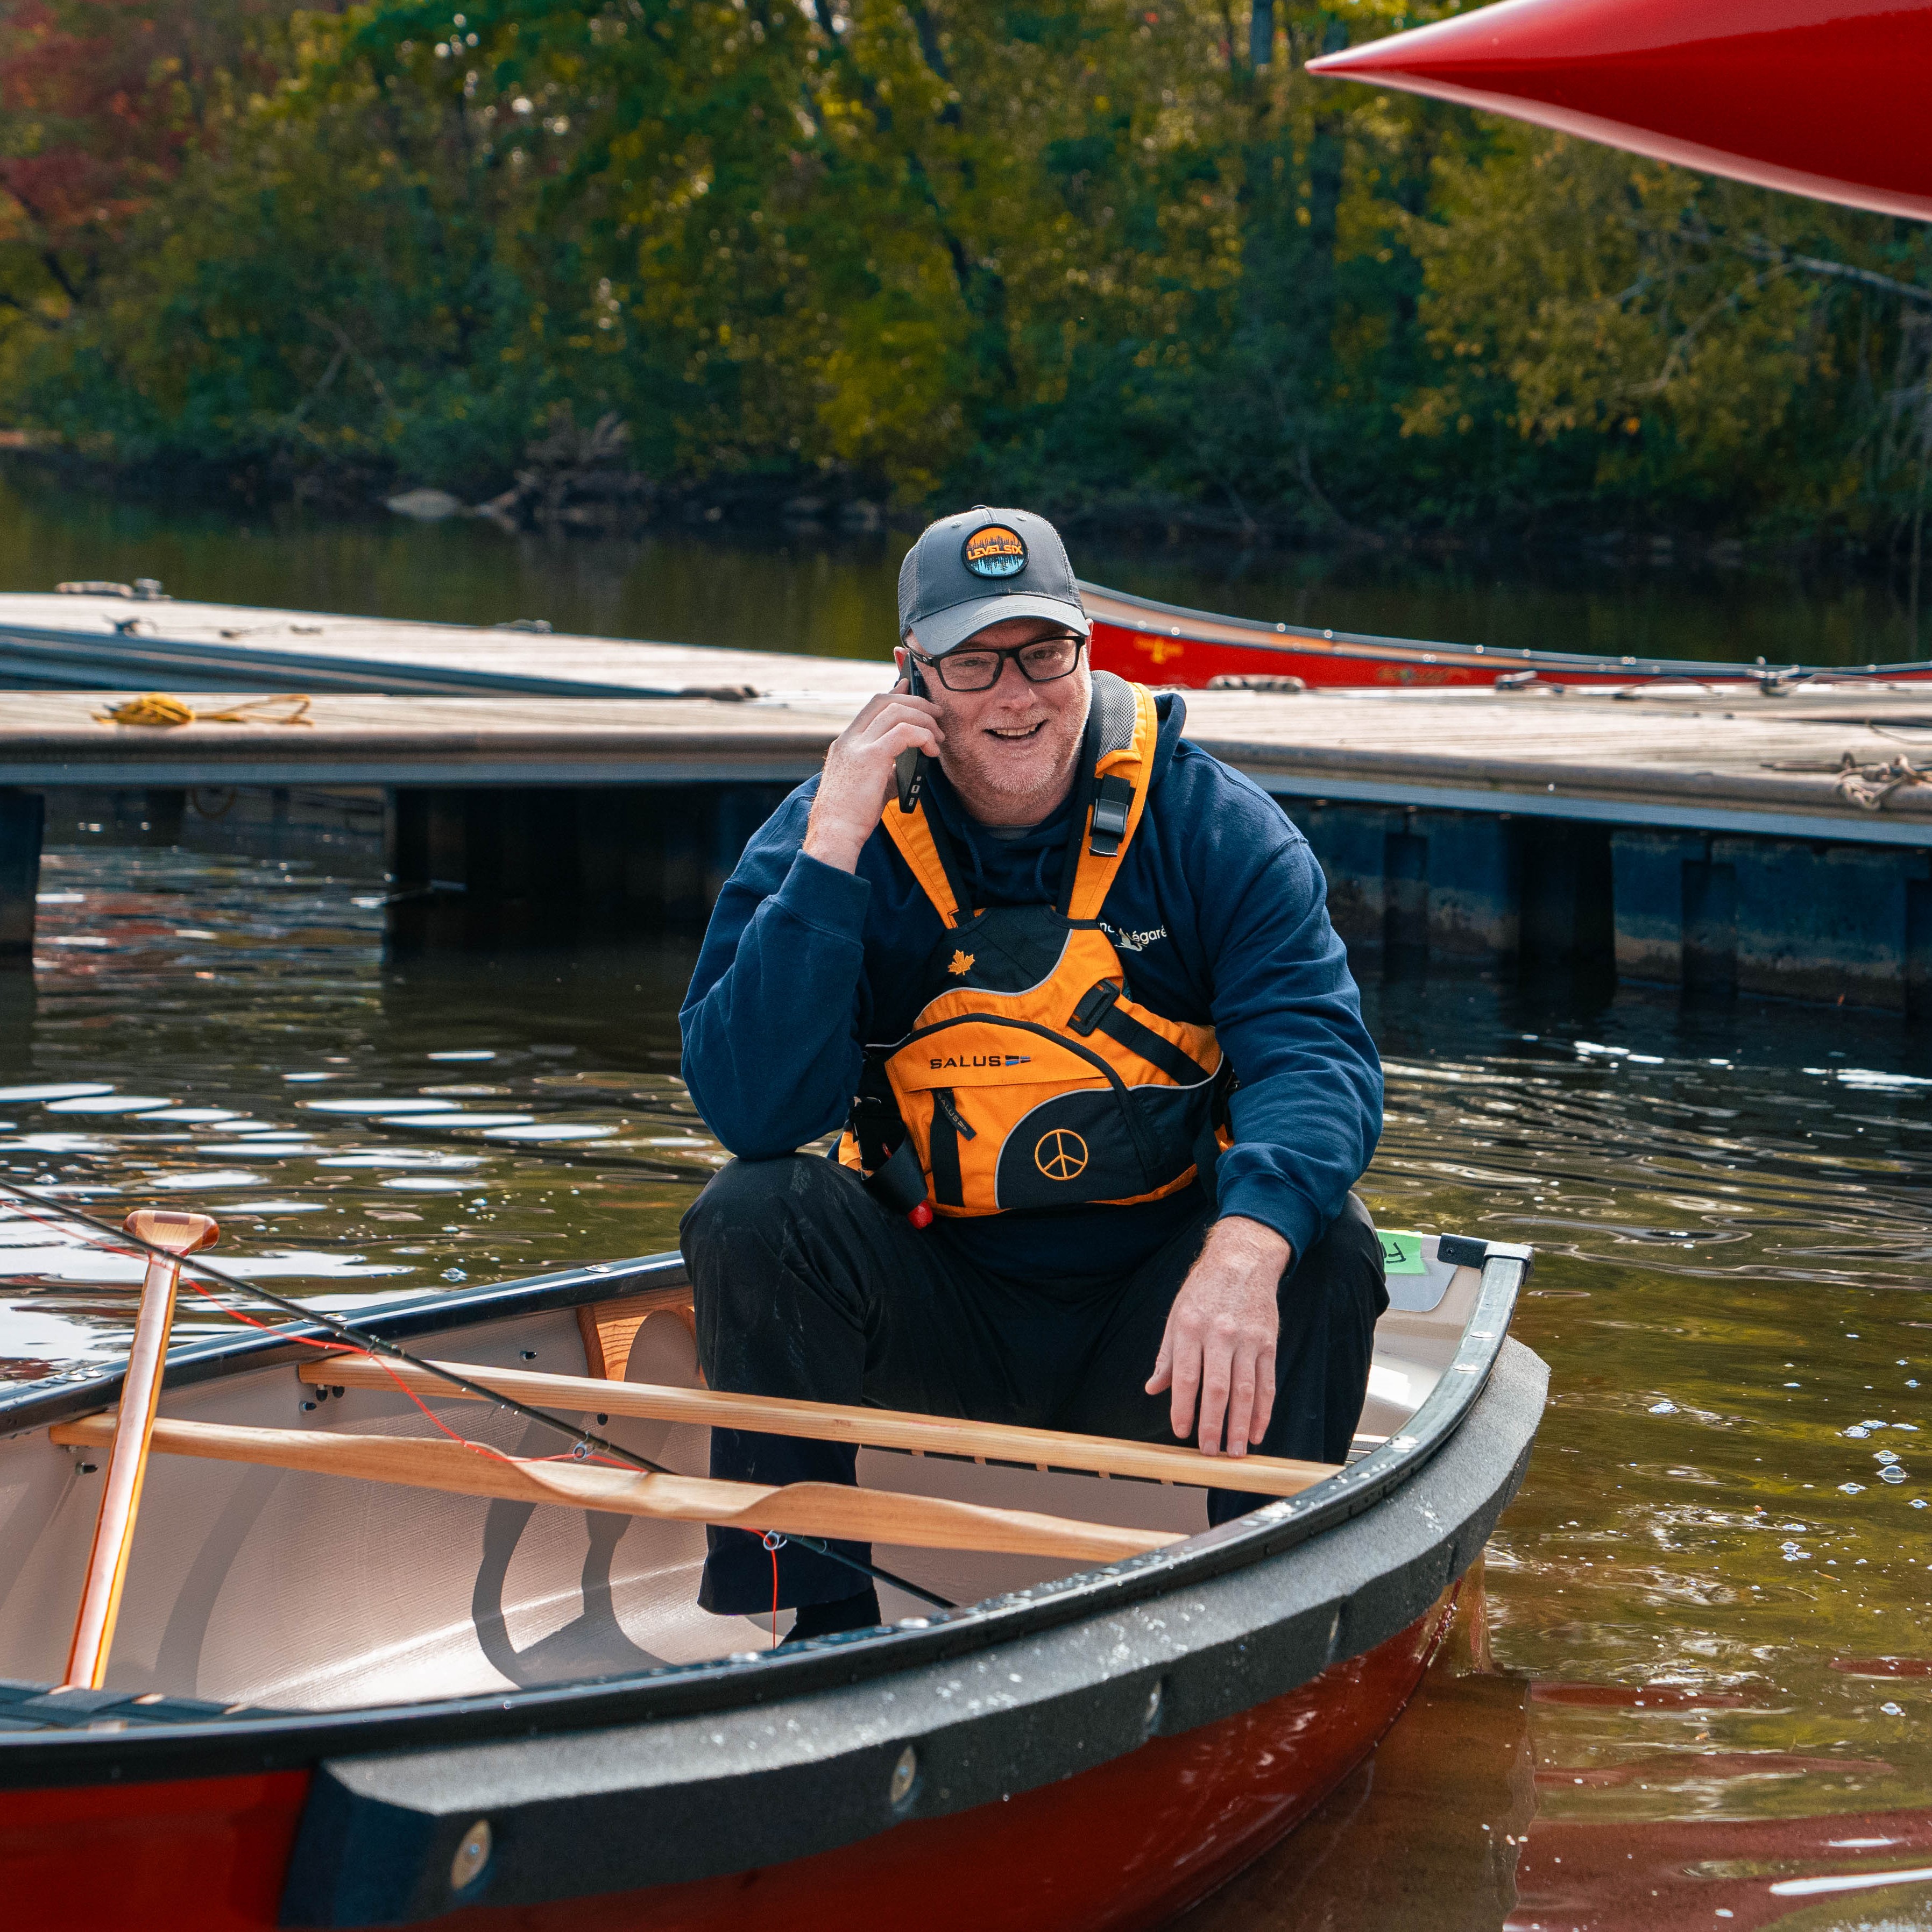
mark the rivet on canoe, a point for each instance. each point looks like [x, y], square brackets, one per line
[472, 1856]
[1152, 1721]
[904, 1773]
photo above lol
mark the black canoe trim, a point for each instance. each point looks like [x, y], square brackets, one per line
[250, 1741]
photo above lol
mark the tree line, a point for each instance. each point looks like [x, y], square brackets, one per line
[1118, 256]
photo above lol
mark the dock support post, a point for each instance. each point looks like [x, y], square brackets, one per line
[1654, 874]
[1919, 948]
[1568, 916]
[165, 807]
[1474, 869]
[1351, 843]
[1710, 929]
[22, 820]
[1404, 902]
[1823, 923]
[1834, 925]
[1409, 888]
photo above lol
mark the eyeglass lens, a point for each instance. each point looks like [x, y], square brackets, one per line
[1039, 663]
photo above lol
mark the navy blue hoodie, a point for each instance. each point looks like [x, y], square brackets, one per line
[1219, 913]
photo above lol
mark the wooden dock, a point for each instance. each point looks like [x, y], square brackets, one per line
[1734, 763]
[1712, 838]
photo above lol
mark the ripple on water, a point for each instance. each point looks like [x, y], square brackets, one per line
[150, 1074]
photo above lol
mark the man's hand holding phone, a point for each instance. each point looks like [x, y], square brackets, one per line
[859, 773]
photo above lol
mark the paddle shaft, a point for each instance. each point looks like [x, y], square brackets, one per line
[832, 1422]
[814, 1509]
[127, 1458]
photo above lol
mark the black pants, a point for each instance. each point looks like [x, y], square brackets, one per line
[805, 1286]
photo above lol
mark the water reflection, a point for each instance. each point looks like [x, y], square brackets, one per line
[1693, 1688]
[812, 590]
[1699, 1687]
[1478, 1812]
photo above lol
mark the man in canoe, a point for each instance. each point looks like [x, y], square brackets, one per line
[1096, 1055]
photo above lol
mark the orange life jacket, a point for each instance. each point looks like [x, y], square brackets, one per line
[1030, 1079]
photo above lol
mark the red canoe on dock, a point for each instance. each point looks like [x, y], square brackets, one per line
[1166, 644]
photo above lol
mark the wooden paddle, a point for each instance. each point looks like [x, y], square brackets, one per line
[833, 1422]
[799, 1509]
[127, 1463]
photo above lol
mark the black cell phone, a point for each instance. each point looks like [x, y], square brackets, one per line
[909, 767]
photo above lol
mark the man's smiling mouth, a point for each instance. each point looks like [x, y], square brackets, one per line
[1014, 734]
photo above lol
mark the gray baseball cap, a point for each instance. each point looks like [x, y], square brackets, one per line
[982, 567]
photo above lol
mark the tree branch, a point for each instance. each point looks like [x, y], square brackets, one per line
[1758, 250]
[51, 262]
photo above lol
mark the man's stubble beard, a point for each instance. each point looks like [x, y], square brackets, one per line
[1056, 751]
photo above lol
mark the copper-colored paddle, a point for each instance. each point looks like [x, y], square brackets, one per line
[128, 1460]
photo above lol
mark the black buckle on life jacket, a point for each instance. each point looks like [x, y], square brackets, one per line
[874, 1117]
[899, 1183]
[1113, 800]
[1093, 1007]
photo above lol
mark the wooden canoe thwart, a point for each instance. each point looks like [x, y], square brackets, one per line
[831, 1422]
[800, 1509]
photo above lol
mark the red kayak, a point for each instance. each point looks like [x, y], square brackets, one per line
[1165, 644]
[1820, 98]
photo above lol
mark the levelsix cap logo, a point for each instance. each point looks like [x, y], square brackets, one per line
[994, 551]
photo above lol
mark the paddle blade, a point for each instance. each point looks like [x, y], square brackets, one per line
[164, 1228]
[1821, 97]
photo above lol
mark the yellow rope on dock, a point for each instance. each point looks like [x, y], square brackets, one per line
[157, 709]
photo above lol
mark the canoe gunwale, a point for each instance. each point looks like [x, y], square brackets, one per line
[254, 1742]
[1301, 640]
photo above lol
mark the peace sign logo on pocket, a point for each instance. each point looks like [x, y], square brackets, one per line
[1060, 1154]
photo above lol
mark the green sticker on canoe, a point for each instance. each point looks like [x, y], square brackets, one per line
[1401, 1254]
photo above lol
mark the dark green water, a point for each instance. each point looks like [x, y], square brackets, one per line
[822, 593]
[1701, 1667]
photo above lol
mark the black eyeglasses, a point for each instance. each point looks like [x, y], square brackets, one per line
[1042, 661]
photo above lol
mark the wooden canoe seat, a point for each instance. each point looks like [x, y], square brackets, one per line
[609, 1328]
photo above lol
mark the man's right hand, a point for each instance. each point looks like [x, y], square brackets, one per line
[858, 777]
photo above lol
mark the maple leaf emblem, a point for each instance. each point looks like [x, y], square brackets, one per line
[962, 963]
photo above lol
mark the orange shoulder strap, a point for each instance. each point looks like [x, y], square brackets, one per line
[910, 832]
[1132, 760]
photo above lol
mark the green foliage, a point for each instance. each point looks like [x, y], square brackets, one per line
[1078, 251]
[1702, 341]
